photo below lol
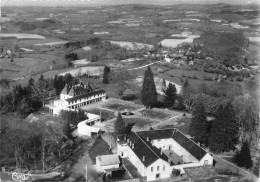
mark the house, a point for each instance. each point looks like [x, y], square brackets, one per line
[74, 97]
[156, 153]
[108, 164]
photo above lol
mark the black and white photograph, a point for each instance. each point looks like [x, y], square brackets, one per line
[129, 90]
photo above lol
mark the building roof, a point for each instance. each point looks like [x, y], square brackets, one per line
[189, 145]
[89, 94]
[106, 160]
[144, 149]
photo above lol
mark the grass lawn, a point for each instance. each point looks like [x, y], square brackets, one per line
[105, 115]
[121, 107]
[155, 114]
[139, 122]
[99, 147]
[184, 128]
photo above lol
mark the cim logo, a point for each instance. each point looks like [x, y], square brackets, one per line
[21, 177]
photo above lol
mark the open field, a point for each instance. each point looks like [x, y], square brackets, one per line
[175, 42]
[97, 70]
[21, 36]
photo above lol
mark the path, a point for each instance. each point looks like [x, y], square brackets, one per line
[142, 66]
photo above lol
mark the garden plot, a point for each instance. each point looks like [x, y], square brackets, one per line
[155, 114]
[158, 84]
[92, 70]
[130, 60]
[132, 45]
[138, 122]
[21, 36]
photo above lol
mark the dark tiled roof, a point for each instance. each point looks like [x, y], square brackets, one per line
[189, 145]
[145, 148]
[89, 94]
[179, 137]
[156, 134]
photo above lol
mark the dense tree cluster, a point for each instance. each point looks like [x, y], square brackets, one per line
[27, 99]
[36, 145]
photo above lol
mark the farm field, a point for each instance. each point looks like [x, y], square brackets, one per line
[175, 42]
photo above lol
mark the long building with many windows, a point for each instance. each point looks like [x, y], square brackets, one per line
[74, 97]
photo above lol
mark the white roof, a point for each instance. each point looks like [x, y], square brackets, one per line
[83, 128]
[106, 160]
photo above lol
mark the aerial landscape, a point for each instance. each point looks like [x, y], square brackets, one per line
[131, 91]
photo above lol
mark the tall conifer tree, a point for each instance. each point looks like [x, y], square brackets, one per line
[149, 93]
[106, 74]
[170, 96]
[243, 157]
[119, 125]
[224, 130]
[198, 126]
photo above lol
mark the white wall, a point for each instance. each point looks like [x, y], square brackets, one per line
[175, 147]
[122, 149]
[207, 158]
[165, 172]
[136, 162]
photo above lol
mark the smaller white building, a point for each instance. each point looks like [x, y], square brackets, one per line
[86, 130]
[109, 163]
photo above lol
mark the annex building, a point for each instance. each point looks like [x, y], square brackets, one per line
[156, 153]
[74, 97]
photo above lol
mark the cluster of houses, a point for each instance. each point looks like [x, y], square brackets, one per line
[156, 154]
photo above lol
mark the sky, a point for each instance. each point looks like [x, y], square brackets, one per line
[116, 2]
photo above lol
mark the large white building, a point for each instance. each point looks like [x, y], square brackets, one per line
[74, 97]
[156, 153]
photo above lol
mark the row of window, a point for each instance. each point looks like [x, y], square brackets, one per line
[158, 168]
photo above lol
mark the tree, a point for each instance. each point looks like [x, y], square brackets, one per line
[246, 113]
[186, 93]
[149, 93]
[164, 85]
[119, 125]
[106, 75]
[198, 126]
[224, 131]
[170, 96]
[123, 81]
[243, 157]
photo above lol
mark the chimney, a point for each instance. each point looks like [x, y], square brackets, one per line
[128, 140]
[125, 138]
[130, 143]
[147, 139]
[161, 152]
[169, 158]
[133, 145]
[143, 158]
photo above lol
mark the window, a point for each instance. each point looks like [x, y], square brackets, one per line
[158, 168]
[164, 167]
[151, 169]
[206, 162]
[159, 140]
[157, 176]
